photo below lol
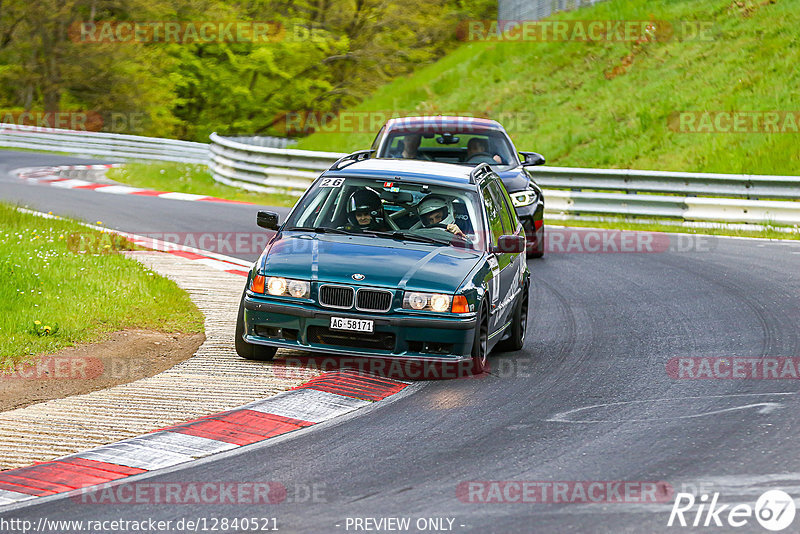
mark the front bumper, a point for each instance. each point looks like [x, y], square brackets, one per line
[305, 327]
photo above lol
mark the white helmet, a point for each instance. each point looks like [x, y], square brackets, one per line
[430, 205]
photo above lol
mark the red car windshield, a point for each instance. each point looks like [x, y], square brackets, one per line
[461, 147]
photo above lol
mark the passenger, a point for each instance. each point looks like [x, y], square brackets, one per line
[365, 212]
[434, 213]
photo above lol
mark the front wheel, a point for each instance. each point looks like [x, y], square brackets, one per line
[247, 350]
[519, 324]
[480, 346]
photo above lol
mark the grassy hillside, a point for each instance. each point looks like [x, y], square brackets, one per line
[608, 104]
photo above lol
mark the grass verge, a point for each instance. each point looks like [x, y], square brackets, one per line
[190, 178]
[52, 297]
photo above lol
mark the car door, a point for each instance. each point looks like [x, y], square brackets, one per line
[513, 274]
[502, 264]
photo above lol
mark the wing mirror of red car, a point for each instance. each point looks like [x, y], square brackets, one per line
[509, 244]
[267, 219]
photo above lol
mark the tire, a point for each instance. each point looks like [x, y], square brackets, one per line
[519, 325]
[247, 350]
[538, 252]
[480, 345]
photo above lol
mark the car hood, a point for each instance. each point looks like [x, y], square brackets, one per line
[383, 262]
[515, 178]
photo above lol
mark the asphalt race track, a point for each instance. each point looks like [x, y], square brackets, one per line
[589, 398]
[131, 213]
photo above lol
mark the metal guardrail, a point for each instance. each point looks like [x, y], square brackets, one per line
[573, 192]
[264, 140]
[536, 9]
[568, 191]
[102, 144]
[259, 168]
[751, 186]
[742, 198]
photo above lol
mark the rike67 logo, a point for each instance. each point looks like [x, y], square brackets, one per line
[774, 510]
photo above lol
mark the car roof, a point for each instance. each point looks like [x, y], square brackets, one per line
[443, 121]
[418, 170]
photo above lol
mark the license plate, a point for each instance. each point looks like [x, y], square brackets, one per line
[353, 325]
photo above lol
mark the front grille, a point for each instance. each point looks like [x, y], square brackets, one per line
[373, 300]
[358, 340]
[336, 296]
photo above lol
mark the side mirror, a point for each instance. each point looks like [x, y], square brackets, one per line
[532, 159]
[509, 244]
[267, 219]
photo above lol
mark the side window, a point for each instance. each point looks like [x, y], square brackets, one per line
[374, 146]
[497, 193]
[493, 210]
[511, 215]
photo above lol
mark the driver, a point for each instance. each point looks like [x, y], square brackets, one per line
[365, 212]
[411, 147]
[476, 146]
[433, 212]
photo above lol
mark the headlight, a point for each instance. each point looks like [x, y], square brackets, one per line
[416, 301]
[523, 198]
[437, 302]
[281, 287]
[440, 303]
[276, 286]
[298, 289]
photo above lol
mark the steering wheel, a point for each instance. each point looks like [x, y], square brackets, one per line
[480, 157]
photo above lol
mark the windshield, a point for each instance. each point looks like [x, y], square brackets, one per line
[438, 215]
[469, 147]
